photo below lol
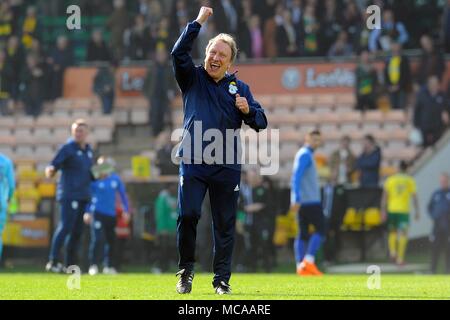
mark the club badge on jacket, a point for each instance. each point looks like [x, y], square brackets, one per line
[233, 89]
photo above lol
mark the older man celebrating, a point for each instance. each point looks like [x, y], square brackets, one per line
[212, 99]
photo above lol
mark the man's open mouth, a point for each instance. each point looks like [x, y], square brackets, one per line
[214, 66]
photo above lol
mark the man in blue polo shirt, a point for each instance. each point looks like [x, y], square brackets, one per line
[213, 101]
[74, 159]
[306, 202]
[101, 215]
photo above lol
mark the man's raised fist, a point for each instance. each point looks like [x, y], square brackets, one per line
[204, 14]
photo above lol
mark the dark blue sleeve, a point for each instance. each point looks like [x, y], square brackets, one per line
[256, 118]
[183, 65]
[61, 157]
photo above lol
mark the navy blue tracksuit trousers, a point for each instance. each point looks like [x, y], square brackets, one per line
[69, 231]
[223, 185]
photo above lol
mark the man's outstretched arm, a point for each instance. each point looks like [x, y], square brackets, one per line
[183, 65]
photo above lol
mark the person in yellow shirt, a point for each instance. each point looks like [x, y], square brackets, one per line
[397, 74]
[399, 189]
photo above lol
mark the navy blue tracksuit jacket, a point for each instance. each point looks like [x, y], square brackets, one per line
[210, 104]
[73, 194]
[76, 177]
[369, 164]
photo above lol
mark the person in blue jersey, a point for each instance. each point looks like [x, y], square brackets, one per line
[101, 215]
[212, 99]
[74, 159]
[7, 187]
[306, 201]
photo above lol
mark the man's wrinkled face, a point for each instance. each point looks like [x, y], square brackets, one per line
[80, 133]
[218, 60]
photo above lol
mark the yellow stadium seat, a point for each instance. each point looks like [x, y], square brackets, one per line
[29, 206]
[372, 217]
[47, 189]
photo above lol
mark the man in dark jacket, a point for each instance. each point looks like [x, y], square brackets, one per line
[369, 163]
[118, 22]
[287, 37]
[60, 59]
[97, 49]
[104, 86]
[139, 45]
[33, 86]
[439, 210]
[15, 58]
[432, 61]
[431, 113]
[213, 101]
[259, 222]
[159, 88]
[164, 147]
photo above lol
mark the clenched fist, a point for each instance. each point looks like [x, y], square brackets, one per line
[50, 172]
[242, 104]
[204, 14]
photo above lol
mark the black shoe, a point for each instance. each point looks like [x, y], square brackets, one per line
[223, 288]
[184, 284]
[54, 267]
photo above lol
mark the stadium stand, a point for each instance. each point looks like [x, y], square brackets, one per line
[27, 138]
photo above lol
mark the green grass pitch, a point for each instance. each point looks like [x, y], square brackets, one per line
[245, 287]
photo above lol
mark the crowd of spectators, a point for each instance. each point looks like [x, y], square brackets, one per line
[270, 28]
[264, 29]
[419, 91]
[29, 73]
